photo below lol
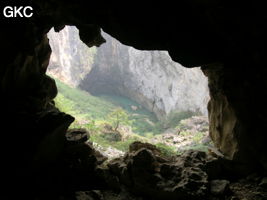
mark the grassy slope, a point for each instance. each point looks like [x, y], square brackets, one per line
[82, 105]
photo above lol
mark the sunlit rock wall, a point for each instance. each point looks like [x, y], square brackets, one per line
[71, 59]
[149, 77]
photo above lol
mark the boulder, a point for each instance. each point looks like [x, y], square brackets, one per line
[134, 108]
[146, 172]
[135, 146]
[263, 182]
[219, 187]
[77, 135]
[111, 135]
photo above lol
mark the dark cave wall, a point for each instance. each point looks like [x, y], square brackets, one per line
[236, 112]
[228, 35]
[29, 118]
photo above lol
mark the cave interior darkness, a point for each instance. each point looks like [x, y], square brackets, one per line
[227, 40]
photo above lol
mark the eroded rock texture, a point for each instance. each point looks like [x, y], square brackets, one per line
[195, 33]
[146, 172]
[74, 60]
[235, 113]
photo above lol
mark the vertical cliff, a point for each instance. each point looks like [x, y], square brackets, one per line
[71, 59]
[149, 77]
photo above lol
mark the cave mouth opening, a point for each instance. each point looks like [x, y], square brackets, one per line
[120, 95]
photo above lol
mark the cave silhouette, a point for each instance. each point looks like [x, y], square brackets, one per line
[226, 39]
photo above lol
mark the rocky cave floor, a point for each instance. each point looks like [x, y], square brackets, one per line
[144, 173]
[244, 189]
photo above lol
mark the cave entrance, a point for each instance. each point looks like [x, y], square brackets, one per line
[121, 95]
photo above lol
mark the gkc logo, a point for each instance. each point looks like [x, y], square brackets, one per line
[20, 11]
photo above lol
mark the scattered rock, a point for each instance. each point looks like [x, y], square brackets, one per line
[125, 131]
[263, 182]
[134, 108]
[106, 195]
[253, 177]
[82, 121]
[219, 187]
[111, 135]
[89, 195]
[206, 140]
[108, 127]
[170, 131]
[108, 152]
[195, 124]
[244, 189]
[77, 135]
[179, 141]
[149, 122]
[135, 146]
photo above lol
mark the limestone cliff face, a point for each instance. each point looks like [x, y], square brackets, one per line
[149, 77]
[71, 59]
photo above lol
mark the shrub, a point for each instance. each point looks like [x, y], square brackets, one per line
[197, 137]
[185, 133]
[166, 150]
[118, 117]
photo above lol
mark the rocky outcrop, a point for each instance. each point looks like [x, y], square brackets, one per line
[71, 60]
[109, 152]
[191, 133]
[222, 116]
[146, 172]
[235, 123]
[150, 78]
[194, 124]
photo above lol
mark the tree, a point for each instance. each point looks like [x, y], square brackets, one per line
[119, 117]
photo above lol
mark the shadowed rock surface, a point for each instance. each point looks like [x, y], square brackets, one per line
[227, 38]
[146, 172]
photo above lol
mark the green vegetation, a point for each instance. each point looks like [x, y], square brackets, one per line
[93, 112]
[197, 137]
[185, 133]
[143, 121]
[120, 145]
[86, 107]
[166, 150]
[172, 121]
[199, 147]
[81, 104]
[119, 117]
[196, 140]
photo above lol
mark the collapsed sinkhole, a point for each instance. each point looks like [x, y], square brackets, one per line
[119, 95]
[231, 48]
